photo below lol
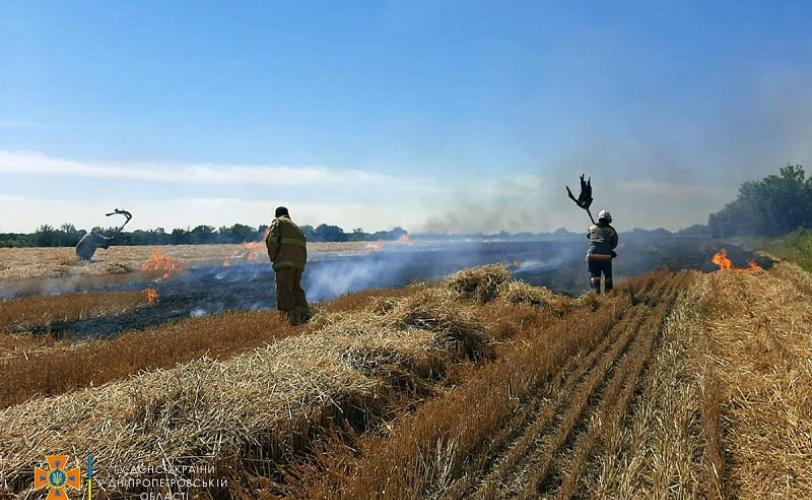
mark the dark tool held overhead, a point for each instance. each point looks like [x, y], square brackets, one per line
[584, 199]
[125, 213]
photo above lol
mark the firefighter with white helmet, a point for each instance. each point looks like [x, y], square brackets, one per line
[602, 243]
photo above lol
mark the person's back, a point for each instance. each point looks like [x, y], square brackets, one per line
[603, 240]
[87, 246]
[287, 248]
[287, 244]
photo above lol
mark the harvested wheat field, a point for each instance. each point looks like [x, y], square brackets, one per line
[18, 263]
[480, 386]
[24, 313]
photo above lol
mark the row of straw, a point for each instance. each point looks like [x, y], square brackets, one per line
[271, 402]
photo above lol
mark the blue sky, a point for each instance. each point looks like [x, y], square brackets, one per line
[438, 115]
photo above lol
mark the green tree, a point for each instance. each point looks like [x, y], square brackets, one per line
[773, 206]
[202, 234]
[242, 233]
[45, 236]
[326, 232]
[179, 237]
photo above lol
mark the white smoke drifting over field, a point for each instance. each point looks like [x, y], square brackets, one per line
[657, 164]
[327, 282]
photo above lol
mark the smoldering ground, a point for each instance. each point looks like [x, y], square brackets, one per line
[558, 265]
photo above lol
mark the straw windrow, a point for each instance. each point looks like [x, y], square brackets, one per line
[479, 283]
[271, 402]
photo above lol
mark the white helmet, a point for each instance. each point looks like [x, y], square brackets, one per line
[605, 215]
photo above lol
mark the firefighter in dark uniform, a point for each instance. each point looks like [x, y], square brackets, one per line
[602, 243]
[287, 248]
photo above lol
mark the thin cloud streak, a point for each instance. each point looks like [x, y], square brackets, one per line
[34, 163]
[24, 214]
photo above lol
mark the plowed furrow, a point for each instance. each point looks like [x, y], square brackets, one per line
[561, 473]
[542, 469]
[552, 428]
[544, 412]
[507, 442]
[613, 406]
[551, 460]
[617, 435]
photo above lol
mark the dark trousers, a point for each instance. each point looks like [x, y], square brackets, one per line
[290, 297]
[598, 268]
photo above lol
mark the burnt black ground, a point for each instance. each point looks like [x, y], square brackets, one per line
[558, 265]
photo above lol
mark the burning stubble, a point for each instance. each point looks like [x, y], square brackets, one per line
[162, 265]
[722, 260]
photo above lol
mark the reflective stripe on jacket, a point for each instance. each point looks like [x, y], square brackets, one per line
[287, 245]
[602, 242]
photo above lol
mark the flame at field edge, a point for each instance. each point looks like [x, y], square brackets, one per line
[721, 259]
[158, 262]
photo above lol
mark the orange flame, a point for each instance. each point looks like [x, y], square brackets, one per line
[405, 239]
[753, 266]
[152, 295]
[251, 251]
[721, 259]
[257, 245]
[161, 263]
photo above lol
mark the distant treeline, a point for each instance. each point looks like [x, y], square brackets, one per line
[67, 235]
[773, 206]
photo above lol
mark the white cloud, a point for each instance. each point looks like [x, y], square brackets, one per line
[518, 202]
[34, 163]
[369, 200]
[26, 214]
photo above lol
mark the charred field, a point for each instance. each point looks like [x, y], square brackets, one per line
[454, 370]
[198, 285]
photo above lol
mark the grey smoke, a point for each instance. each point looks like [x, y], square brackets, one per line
[658, 164]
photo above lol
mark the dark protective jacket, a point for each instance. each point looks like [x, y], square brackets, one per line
[602, 242]
[89, 243]
[287, 245]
